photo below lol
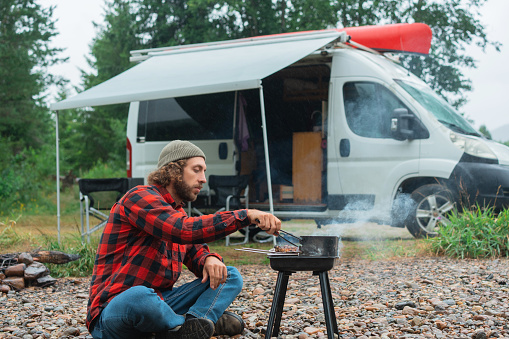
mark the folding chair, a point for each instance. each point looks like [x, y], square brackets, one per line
[98, 195]
[231, 192]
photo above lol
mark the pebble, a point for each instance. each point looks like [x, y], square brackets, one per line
[425, 297]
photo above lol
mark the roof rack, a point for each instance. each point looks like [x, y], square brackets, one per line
[143, 54]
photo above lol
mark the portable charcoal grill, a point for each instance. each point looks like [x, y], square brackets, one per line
[317, 254]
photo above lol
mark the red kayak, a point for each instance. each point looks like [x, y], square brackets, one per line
[410, 38]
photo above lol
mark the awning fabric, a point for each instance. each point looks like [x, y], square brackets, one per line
[236, 65]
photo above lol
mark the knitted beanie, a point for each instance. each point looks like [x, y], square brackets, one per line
[178, 150]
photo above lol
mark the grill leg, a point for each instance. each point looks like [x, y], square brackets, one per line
[278, 302]
[328, 305]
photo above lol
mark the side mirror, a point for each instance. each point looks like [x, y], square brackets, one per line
[406, 126]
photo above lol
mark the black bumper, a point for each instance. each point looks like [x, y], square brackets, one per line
[485, 184]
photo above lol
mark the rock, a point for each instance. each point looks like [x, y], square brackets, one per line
[479, 335]
[440, 324]
[25, 258]
[410, 310]
[401, 305]
[18, 283]
[46, 280]
[36, 270]
[71, 331]
[4, 288]
[15, 270]
[258, 291]
[416, 321]
[312, 330]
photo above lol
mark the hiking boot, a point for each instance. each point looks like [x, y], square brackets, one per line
[195, 328]
[229, 324]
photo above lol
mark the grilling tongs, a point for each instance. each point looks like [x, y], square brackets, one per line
[290, 234]
[287, 233]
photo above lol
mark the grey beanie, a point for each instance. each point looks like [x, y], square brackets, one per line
[178, 150]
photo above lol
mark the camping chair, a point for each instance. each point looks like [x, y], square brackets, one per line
[231, 192]
[97, 196]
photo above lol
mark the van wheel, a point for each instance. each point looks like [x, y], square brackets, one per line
[431, 207]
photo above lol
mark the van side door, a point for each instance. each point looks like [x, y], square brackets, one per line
[370, 162]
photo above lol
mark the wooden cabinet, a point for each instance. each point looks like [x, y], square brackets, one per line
[307, 167]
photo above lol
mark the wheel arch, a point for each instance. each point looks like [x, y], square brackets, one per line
[405, 189]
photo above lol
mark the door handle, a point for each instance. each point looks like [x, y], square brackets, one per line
[344, 148]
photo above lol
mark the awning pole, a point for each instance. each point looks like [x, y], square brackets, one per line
[58, 177]
[266, 149]
[267, 160]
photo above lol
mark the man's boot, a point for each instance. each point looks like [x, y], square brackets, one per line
[229, 324]
[195, 328]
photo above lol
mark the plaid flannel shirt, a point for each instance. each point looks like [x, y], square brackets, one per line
[147, 239]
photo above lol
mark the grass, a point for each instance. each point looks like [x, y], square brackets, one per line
[476, 233]
[472, 234]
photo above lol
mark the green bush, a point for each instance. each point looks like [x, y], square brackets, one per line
[104, 170]
[477, 233]
[25, 179]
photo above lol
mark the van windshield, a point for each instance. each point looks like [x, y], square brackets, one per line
[444, 112]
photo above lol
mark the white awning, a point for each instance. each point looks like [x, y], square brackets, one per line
[204, 68]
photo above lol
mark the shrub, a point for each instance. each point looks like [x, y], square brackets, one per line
[476, 233]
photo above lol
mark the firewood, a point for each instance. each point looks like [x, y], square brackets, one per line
[54, 257]
[18, 283]
[36, 270]
[15, 270]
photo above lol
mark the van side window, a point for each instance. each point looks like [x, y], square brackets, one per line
[198, 117]
[368, 108]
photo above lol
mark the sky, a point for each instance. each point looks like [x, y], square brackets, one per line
[488, 102]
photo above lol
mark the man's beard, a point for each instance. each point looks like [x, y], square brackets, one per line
[184, 191]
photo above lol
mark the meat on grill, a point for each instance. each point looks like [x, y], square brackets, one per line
[286, 248]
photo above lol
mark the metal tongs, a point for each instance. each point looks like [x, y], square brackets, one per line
[287, 233]
[290, 234]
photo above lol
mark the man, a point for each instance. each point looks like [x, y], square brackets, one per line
[146, 241]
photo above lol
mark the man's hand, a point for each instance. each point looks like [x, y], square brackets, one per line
[215, 270]
[266, 221]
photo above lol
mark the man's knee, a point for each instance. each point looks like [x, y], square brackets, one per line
[137, 298]
[234, 278]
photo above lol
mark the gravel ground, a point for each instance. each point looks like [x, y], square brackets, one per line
[403, 298]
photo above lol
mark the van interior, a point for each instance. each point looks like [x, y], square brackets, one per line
[296, 114]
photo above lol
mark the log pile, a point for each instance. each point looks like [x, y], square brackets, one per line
[21, 270]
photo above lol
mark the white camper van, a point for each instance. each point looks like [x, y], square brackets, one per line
[325, 124]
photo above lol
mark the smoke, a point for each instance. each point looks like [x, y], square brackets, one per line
[356, 221]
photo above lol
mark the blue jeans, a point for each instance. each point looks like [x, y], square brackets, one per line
[139, 310]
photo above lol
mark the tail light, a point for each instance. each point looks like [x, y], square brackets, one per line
[129, 159]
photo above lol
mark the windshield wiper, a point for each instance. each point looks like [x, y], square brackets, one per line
[457, 128]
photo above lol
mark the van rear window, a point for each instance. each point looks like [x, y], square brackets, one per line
[198, 117]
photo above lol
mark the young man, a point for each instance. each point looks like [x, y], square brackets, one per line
[146, 241]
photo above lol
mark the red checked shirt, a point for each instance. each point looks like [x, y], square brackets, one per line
[146, 241]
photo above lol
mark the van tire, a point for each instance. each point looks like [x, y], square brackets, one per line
[430, 209]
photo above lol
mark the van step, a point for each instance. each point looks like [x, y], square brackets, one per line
[289, 207]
